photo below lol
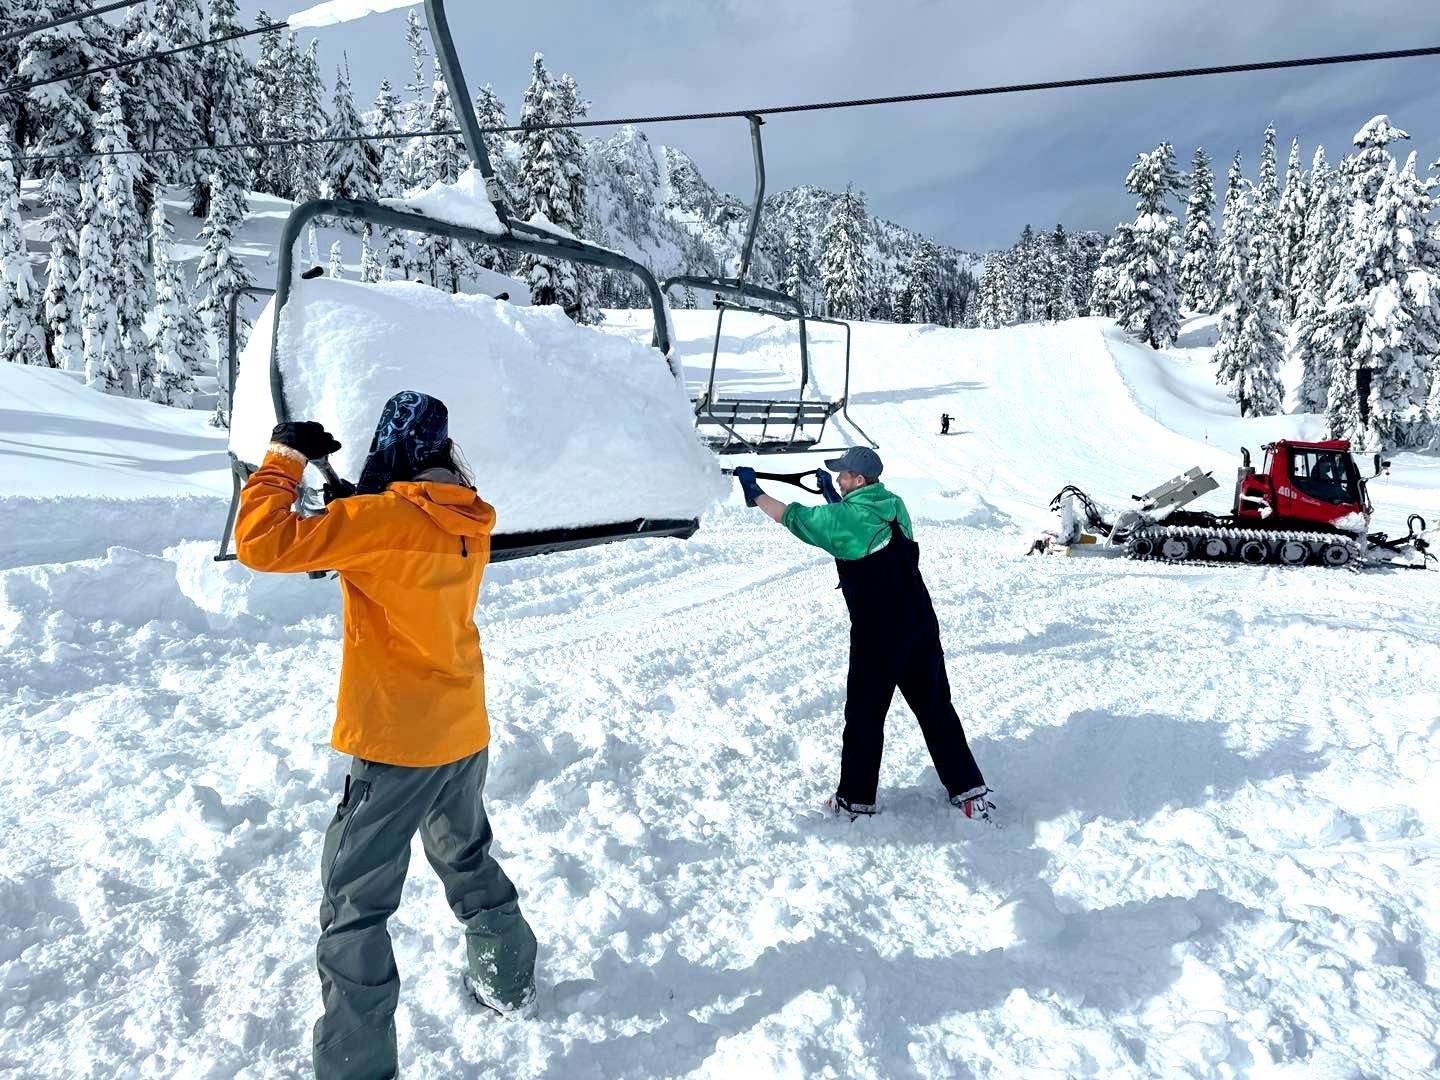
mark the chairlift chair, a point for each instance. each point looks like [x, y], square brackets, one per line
[786, 426]
[516, 235]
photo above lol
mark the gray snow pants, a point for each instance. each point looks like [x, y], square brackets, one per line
[362, 870]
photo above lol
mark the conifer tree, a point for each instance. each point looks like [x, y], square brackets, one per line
[308, 93]
[419, 88]
[1059, 304]
[1291, 218]
[1197, 266]
[104, 361]
[1146, 281]
[844, 267]
[274, 168]
[1322, 248]
[174, 382]
[223, 111]
[550, 160]
[389, 154]
[21, 340]
[799, 272]
[336, 269]
[119, 211]
[62, 299]
[220, 273]
[1104, 283]
[922, 286]
[1342, 334]
[174, 90]
[1266, 209]
[352, 168]
[490, 113]
[370, 269]
[1250, 348]
[60, 117]
[440, 158]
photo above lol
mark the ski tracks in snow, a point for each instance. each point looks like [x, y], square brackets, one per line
[1216, 857]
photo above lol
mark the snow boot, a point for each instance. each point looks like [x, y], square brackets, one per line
[837, 804]
[974, 804]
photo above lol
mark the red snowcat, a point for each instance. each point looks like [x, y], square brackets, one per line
[1308, 504]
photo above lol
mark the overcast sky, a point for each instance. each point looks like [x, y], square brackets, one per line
[972, 172]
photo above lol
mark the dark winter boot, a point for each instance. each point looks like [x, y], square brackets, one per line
[974, 804]
[837, 804]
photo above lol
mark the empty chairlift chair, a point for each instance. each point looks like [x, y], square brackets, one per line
[763, 425]
[511, 235]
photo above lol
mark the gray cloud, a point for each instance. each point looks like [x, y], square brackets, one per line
[973, 172]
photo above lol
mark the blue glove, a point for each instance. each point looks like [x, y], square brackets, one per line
[748, 484]
[827, 486]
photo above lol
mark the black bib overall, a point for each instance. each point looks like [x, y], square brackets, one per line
[895, 642]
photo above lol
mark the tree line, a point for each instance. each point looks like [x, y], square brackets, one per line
[1337, 272]
[112, 302]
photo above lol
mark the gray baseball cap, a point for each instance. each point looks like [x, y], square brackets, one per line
[857, 459]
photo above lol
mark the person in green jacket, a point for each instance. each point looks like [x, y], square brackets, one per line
[894, 635]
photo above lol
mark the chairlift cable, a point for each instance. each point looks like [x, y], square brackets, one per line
[64, 20]
[24, 87]
[773, 110]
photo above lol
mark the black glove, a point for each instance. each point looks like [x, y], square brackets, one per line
[748, 484]
[341, 489]
[827, 486]
[306, 437]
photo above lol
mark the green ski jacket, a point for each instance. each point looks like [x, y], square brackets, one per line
[852, 528]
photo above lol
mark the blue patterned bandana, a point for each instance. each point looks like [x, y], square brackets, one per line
[413, 428]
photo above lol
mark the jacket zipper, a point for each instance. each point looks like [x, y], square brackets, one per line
[464, 549]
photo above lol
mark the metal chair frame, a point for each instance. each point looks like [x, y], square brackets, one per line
[516, 236]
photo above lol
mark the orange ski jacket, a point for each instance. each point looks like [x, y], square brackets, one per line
[410, 560]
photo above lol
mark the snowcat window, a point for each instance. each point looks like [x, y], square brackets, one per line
[1321, 474]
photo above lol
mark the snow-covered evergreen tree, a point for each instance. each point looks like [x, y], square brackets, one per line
[1104, 298]
[550, 166]
[419, 89]
[273, 166]
[371, 270]
[1291, 217]
[1346, 334]
[922, 285]
[799, 270]
[1056, 278]
[1251, 348]
[310, 121]
[223, 111]
[389, 153]
[1322, 248]
[439, 161]
[1197, 265]
[173, 89]
[352, 167]
[844, 267]
[118, 209]
[61, 229]
[105, 367]
[21, 339]
[220, 273]
[60, 118]
[174, 381]
[1146, 286]
[336, 268]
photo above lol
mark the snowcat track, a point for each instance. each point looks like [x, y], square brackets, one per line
[1198, 537]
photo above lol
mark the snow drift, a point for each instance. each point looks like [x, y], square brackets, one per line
[563, 425]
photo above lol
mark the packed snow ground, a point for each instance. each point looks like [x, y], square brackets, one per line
[1218, 783]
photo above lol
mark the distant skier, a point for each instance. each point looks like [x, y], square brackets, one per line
[944, 423]
[894, 635]
[410, 548]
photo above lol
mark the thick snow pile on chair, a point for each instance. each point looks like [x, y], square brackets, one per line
[563, 425]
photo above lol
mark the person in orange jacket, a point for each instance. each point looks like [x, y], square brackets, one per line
[410, 548]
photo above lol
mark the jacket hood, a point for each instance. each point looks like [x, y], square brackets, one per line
[453, 508]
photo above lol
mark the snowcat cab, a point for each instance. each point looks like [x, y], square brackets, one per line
[1303, 484]
[785, 425]
[509, 234]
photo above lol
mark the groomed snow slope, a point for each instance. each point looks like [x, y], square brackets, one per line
[1219, 856]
